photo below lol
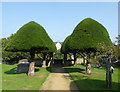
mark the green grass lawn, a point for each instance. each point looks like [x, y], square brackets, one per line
[20, 81]
[95, 81]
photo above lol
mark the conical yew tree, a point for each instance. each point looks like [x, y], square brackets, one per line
[31, 37]
[88, 36]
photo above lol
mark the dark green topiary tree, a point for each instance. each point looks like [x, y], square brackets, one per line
[11, 57]
[89, 36]
[65, 45]
[32, 38]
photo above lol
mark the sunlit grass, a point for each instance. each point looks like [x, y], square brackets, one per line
[20, 81]
[95, 81]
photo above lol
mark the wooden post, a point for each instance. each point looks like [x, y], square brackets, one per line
[32, 64]
[108, 73]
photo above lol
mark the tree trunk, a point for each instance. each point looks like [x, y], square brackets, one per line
[65, 59]
[50, 59]
[74, 58]
[84, 60]
[70, 56]
[88, 67]
[50, 64]
[44, 63]
[108, 74]
[31, 69]
[44, 60]
[32, 64]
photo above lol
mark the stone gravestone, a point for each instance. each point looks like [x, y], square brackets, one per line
[22, 61]
[23, 67]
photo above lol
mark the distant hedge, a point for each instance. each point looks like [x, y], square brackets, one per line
[87, 35]
[31, 36]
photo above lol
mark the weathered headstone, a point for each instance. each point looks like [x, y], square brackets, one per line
[22, 60]
[23, 67]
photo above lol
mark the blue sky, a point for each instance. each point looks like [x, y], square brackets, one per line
[58, 18]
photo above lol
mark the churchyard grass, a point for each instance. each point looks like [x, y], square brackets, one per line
[95, 81]
[20, 81]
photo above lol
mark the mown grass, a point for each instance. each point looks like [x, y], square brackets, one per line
[20, 81]
[95, 81]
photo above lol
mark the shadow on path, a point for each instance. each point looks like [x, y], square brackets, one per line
[57, 67]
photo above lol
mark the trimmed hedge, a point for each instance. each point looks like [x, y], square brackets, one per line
[88, 35]
[31, 36]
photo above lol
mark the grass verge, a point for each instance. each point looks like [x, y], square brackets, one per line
[20, 81]
[95, 81]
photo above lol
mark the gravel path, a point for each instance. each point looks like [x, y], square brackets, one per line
[59, 80]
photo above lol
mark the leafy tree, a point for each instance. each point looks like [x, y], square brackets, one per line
[89, 36]
[117, 48]
[32, 38]
[11, 57]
